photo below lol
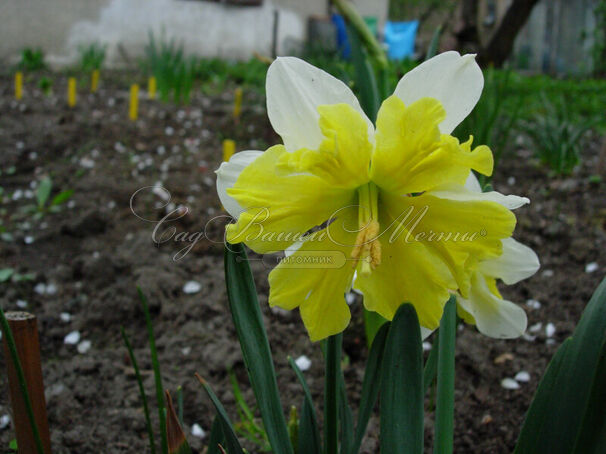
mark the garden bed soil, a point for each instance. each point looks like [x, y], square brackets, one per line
[88, 258]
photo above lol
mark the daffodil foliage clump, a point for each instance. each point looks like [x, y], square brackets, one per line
[390, 209]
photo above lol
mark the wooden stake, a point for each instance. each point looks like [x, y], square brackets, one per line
[71, 92]
[133, 111]
[25, 332]
[151, 87]
[18, 85]
[229, 148]
[94, 81]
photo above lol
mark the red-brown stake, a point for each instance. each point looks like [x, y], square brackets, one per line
[25, 332]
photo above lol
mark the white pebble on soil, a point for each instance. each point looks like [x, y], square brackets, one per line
[191, 287]
[303, 362]
[65, 317]
[522, 376]
[197, 431]
[28, 239]
[21, 304]
[510, 383]
[533, 304]
[84, 346]
[550, 330]
[350, 298]
[591, 267]
[536, 327]
[5, 421]
[426, 346]
[72, 338]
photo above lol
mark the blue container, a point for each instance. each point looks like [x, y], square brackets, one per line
[400, 39]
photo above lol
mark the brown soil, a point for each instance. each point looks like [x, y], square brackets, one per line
[95, 251]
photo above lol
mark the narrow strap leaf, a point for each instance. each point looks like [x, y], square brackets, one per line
[309, 435]
[246, 314]
[216, 437]
[345, 417]
[133, 360]
[231, 441]
[402, 385]
[370, 385]
[443, 432]
[156, 368]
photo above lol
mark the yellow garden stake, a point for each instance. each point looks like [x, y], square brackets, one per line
[18, 85]
[71, 92]
[229, 148]
[237, 104]
[134, 102]
[151, 87]
[94, 81]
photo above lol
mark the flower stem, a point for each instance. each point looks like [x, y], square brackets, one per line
[332, 356]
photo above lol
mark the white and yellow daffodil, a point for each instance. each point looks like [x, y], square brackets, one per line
[388, 199]
[484, 306]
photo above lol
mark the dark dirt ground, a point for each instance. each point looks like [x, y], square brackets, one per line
[93, 253]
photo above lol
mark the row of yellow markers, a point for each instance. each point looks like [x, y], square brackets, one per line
[133, 108]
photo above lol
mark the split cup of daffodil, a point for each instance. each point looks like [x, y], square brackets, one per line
[381, 208]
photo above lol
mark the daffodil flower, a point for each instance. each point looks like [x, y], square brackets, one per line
[389, 200]
[484, 305]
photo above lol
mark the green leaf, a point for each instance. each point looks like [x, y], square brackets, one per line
[231, 441]
[43, 192]
[345, 417]
[401, 397]
[370, 385]
[435, 41]
[246, 314]
[12, 445]
[62, 197]
[156, 368]
[133, 360]
[6, 273]
[365, 79]
[562, 404]
[443, 432]
[372, 323]
[309, 435]
[592, 439]
[216, 437]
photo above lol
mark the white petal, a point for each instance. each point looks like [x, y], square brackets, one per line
[425, 332]
[294, 90]
[463, 193]
[494, 316]
[472, 183]
[454, 80]
[516, 263]
[228, 173]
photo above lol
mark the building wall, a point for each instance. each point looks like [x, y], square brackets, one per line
[205, 28]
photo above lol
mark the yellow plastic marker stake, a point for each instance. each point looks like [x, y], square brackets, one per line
[151, 87]
[71, 91]
[18, 85]
[229, 148]
[133, 111]
[237, 103]
[94, 81]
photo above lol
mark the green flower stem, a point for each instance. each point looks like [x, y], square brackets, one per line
[375, 51]
[12, 347]
[332, 355]
[445, 390]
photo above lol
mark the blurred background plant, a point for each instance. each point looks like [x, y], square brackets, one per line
[92, 56]
[45, 84]
[32, 59]
[557, 134]
[174, 72]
